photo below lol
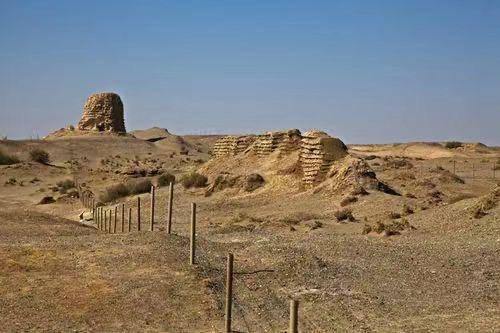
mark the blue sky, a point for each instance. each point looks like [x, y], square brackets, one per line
[365, 71]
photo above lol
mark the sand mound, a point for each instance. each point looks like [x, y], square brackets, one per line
[164, 140]
[152, 134]
[425, 150]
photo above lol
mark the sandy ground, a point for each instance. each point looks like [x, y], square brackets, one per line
[443, 274]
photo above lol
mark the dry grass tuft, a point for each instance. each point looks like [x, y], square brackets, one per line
[121, 190]
[343, 215]
[165, 179]
[348, 200]
[40, 156]
[6, 159]
[194, 179]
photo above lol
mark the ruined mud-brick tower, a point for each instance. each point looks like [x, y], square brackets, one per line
[318, 152]
[103, 112]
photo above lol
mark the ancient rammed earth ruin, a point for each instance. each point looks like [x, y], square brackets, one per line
[317, 149]
[103, 112]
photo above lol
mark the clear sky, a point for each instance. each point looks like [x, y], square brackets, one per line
[365, 71]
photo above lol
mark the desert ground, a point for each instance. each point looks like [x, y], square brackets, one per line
[417, 250]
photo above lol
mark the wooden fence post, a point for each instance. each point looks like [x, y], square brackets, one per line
[193, 234]
[152, 220]
[97, 218]
[138, 213]
[116, 217]
[170, 207]
[110, 230]
[473, 171]
[123, 217]
[229, 292]
[494, 168]
[129, 218]
[294, 312]
[105, 213]
[454, 167]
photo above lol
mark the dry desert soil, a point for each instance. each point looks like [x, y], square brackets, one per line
[424, 256]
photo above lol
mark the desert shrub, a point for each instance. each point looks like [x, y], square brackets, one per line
[296, 218]
[348, 200]
[65, 184]
[366, 229]
[139, 186]
[394, 215]
[253, 182]
[6, 159]
[343, 215]
[11, 181]
[114, 192]
[40, 156]
[453, 144]
[486, 203]
[379, 227]
[194, 179]
[121, 190]
[165, 179]
[359, 190]
[407, 210]
[398, 163]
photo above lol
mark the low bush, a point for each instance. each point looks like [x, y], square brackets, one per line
[11, 181]
[343, 215]
[359, 190]
[65, 184]
[394, 215]
[40, 156]
[6, 159]
[453, 144]
[121, 190]
[165, 179]
[348, 200]
[114, 192]
[407, 210]
[140, 186]
[297, 217]
[253, 182]
[366, 229]
[194, 179]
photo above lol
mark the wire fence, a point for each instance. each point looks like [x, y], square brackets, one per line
[473, 169]
[119, 219]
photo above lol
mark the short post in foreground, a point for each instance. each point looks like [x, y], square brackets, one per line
[129, 218]
[123, 217]
[229, 292]
[116, 218]
[193, 234]
[170, 202]
[294, 314]
[152, 220]
[105, 213]
[138, 213]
